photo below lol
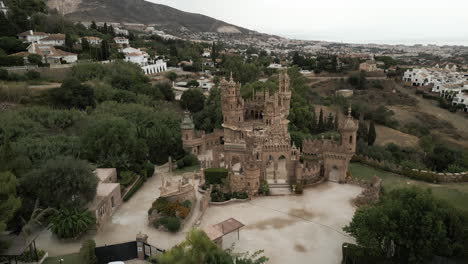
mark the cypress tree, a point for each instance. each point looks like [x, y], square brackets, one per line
[371, 135]
[330, 124]
[321, 125]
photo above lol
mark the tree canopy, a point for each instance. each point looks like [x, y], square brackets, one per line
[410, 226]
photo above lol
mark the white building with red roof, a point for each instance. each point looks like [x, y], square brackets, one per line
[54, 40]
[32, 36]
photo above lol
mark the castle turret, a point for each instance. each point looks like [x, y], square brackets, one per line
[348, 130]
[284, 93]
[187, 127]
[232, 102]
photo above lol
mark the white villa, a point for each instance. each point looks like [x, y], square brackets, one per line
[92, 40]
[32, 37]
[148, 65]
[121, 41]
[49, 54]
[53, 39]
[447, 82]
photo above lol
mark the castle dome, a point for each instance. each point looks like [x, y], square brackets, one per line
[187, 122]
[349, 124]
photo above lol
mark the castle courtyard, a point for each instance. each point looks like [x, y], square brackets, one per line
[292, 229]
[288, 228]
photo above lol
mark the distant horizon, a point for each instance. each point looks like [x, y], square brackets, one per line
[342, 21]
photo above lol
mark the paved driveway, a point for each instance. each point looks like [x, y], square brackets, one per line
[129, 219]
[292, 229]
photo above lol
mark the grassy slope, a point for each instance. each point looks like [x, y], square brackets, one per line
[454, 193]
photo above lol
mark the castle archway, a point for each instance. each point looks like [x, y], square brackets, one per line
[236, 164]
[334, 174]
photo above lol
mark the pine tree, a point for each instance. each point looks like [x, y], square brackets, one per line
[85, 44]
[68, 42]
[362, 131]
[93, 25]
[104, 29]
[330, 124]
[213, 53]
[321, 125]
[371, 135]
[336, 122]
[104, 50]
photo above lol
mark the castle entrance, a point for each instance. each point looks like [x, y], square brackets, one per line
[276, 170]
[334, 174]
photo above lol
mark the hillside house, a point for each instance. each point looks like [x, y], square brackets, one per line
[32, 37]
[53, 39]
[121, 41]
[48, 53]
[94, 41]
[148, 65]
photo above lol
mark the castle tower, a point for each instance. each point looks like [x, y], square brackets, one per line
[284, 93]
[187, 127]
[348, 130]
[232, 103]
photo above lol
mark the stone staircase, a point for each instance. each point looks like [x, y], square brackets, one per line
[279, 189]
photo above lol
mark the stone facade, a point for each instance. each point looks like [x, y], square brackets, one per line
[255, 143]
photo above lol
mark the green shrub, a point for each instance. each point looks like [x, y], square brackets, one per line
[134, 189]
[240, 195]
[187, 203]
[299, 188]
[87, 251]
[215, 175]
[161, 204]
[172, 223]
[33, 75]
[149, 167]
[127, 178]
[264, 189]
[70, 223]
[187, 161]
[3, 74]
[30, 256]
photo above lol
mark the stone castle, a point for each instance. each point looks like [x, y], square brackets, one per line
[255, 144]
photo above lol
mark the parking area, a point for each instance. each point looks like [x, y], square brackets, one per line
[292, 229]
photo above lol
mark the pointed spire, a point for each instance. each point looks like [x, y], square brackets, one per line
[349, 111]
[232, 79]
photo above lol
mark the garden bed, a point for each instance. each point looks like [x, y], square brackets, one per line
[170, 216]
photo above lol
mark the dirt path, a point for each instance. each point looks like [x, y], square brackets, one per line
[427, 106]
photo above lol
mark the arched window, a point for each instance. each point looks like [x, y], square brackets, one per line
[350, 139]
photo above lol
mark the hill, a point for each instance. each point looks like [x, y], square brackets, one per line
[140, 11]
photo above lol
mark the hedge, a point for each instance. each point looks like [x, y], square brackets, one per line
[415, 175]
[134, 189]
[215, 175]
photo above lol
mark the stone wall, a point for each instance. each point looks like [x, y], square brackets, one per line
[371, 192]
[59, 72]
[438, 176]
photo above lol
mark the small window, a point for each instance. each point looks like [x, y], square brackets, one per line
[350, 139]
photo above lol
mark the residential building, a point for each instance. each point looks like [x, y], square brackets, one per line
[32, 37]
[53, 39]
[121, 41]
[368, 66]
[148, 65]
[92, 40]
[49, 54]
[461, 98]
[108, 197]
[120, 31]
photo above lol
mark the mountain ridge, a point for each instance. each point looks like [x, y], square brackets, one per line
[140, 11]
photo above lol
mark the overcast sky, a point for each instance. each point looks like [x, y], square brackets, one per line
[356, 21]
